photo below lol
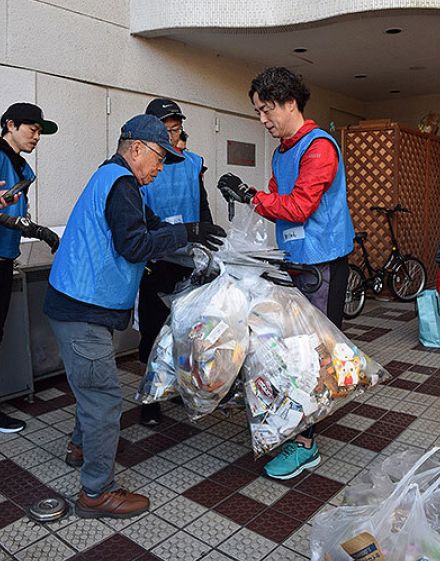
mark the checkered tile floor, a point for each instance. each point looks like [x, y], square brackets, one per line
[209, 498]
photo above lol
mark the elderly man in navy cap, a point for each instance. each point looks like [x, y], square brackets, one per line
[109, 238]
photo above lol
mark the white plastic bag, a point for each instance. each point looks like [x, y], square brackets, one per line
[210, 342]
[399, 523]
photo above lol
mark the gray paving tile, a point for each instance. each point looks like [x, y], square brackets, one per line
[180, 454]
[355, 455]
[16, 446]
[154, 467]
[357, 422]
[212, 528]
[180, 479]
[55, 416]
[51, 470]
[283, 554]
[181, 546]
[131, 480]
[246, 545]
[48, 394]
[47, 549]
[84, 533]
[338, 470]
[57, 447]
[180, 511]
[204, 441]
[205, 465]
[33, 457]
[149, 531]
[299, 541]
[228, 451]
[158, 494]
[264, 490]
[20, 534]
[416, 438]
[136, 432]
[33, 424]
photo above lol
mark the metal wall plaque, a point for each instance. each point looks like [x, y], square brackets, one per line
[241, 153]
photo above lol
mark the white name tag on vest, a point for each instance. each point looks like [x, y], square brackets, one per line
[295, 233]
[177, 219]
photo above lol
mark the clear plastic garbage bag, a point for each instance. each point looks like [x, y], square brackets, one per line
[399, 523]
[380, 480]
[299, 366]
[210, 342]
[159, 382]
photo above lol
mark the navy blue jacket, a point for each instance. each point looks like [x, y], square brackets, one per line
[127, 219]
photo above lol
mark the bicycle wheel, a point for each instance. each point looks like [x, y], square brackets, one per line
[408, 279]
[355, 296]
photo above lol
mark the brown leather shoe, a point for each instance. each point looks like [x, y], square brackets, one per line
[74, 456]
[117, 504]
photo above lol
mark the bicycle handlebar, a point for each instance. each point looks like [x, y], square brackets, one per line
[397, 208]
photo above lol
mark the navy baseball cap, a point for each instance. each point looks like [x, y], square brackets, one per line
[150, 129]
[164, 108]
[28, 113]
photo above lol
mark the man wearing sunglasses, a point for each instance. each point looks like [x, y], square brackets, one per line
[109, 238]
[177, 195]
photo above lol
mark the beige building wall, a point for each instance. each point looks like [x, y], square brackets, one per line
[77, 59]
[406, 110]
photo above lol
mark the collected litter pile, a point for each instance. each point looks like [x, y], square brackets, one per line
[295, 365]
[387, 519]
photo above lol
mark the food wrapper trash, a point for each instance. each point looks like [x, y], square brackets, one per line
[159, 382]
[209, 326]
[299, 366]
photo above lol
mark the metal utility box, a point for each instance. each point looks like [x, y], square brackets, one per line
[15, 354]
[29, 350]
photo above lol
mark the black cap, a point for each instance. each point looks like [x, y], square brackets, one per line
[150, 128]
[28, 113]
[163, 108]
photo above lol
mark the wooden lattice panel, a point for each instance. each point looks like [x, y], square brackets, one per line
[412, 192]
[386, 165]
[432, 226]
[369, 162]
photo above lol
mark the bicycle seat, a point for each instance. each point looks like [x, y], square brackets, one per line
[360, 236]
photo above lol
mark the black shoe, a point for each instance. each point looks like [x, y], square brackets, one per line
[8, 424]
[150, 414]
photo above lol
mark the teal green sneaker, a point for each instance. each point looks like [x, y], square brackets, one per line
[293, 460]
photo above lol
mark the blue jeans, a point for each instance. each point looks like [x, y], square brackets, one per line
[89, 360]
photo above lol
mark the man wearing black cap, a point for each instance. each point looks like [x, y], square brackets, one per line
[22, 124]
[109, 238]
[177, 195]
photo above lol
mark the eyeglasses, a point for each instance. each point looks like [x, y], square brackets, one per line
[175, 130]
[160, 157]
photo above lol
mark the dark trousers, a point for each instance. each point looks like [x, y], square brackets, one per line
[6, 273]
[152, 312]
[330, 298]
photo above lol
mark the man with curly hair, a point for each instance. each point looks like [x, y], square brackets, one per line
[307, 201]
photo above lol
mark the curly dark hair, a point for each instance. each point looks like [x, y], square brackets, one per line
[280, 85]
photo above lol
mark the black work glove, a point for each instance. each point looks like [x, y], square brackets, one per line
[206, 234]
[233, 189]
[31, 230]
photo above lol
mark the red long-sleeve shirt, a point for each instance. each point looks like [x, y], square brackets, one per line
[317, 172]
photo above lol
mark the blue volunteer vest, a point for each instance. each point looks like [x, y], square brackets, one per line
[328, 233]
[10, 239]
[87, 267]
[174, 195]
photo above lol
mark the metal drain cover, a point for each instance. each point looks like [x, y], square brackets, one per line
[47, 510]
